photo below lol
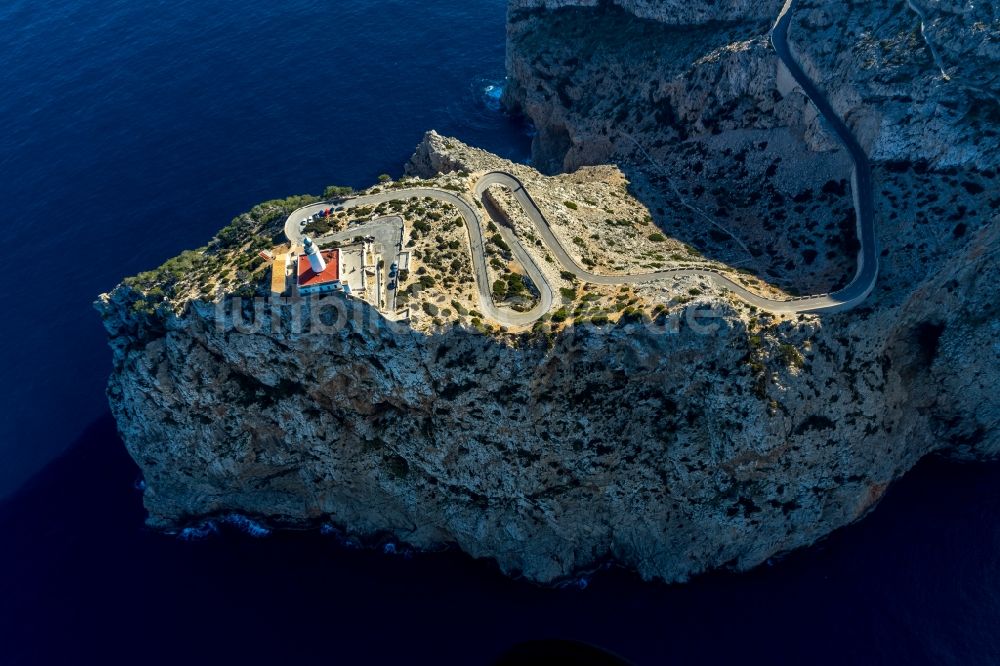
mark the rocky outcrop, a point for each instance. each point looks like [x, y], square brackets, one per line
[882, 77]
[712, 436]
[698, 434]
[656, 73]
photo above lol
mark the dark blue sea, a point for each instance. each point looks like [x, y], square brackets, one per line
[133, 129]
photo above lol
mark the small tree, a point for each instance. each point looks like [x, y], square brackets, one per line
[384, 178]
[515, 285]
[337, 191]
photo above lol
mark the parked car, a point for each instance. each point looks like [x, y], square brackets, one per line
[392, 285]
[393, 269]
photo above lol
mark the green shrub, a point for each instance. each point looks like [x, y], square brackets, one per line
[498, 240]
[571, 205]
[516, 284]
[337, 191]
[791, 356]
[657, 237]
[318, 228]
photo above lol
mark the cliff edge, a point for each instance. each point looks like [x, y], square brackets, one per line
[679, 434]
[469, 390]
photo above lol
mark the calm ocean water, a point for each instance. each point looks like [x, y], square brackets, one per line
[133, 129]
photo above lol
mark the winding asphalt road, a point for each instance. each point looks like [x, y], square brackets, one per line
[474, 223]
[845, 299]
[863, 191]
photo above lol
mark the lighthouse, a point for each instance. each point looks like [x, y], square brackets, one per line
[319, 270]
[315, 257]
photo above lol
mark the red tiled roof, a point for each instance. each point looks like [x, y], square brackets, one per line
[309, 278]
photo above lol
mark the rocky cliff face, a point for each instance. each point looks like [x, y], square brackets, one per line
[931, 95]
[598, 80]
[694, 435]
[711, 436]
[597, 77]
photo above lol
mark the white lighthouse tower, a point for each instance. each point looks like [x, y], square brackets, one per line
[315, 257]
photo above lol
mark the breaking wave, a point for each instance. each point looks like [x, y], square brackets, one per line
[247, 526]
[199, 532]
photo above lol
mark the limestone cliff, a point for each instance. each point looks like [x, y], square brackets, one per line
[598, 78]
[667, 426]
[673, 445]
